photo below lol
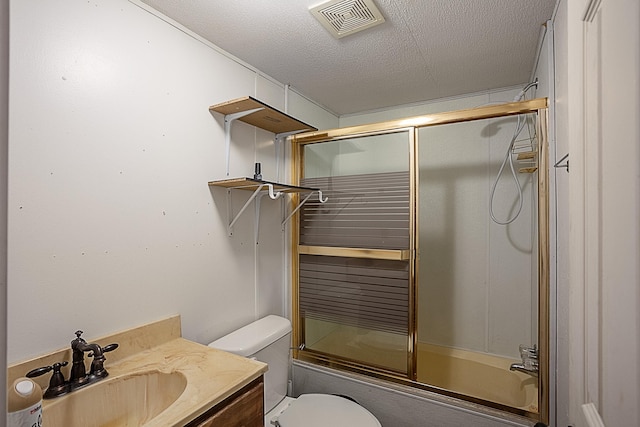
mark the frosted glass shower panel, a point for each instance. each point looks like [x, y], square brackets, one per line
[478, 279]
[358, 156]
[354, 270]
[356, 309]
[477, 284]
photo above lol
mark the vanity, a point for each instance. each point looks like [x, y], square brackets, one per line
[156, 379]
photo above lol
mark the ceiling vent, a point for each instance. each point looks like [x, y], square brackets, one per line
[344, 17]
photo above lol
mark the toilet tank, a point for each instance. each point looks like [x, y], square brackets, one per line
[267, 340]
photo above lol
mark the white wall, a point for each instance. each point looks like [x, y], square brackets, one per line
[111, 145]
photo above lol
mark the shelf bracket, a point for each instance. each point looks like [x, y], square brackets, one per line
[228, 120]
[277, 142]
[320, 199]
[272, 194]
[256, 227]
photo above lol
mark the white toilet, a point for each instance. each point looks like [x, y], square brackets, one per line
[268, 340]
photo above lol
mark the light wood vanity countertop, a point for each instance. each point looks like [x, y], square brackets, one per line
[212, 375]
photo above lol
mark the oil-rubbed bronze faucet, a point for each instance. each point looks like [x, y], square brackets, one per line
[78, 377]
[78, 371]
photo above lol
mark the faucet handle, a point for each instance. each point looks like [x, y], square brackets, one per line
[43, 370]
[57, 385]
[107, 348]
[97, 365]
[78, 338]
[38, 371]
[528, 352]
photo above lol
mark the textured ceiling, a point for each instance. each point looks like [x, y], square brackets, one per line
[425, 49]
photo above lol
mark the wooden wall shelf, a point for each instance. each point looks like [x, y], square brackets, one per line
[267, 118]
[253, 184]
[257, 113]
[261, 188]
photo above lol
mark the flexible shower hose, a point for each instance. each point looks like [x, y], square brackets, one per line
[509, 158]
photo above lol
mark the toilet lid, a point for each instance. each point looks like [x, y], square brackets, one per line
[325, 410]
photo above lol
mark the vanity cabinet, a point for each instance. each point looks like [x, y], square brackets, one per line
[244, 408]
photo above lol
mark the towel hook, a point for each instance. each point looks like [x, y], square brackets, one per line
[320, 197]
[566, 165]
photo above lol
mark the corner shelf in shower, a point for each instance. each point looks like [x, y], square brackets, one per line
[261, 188]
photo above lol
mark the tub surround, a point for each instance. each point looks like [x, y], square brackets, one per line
[212, 375]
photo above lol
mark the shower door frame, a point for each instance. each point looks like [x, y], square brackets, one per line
[412, 125]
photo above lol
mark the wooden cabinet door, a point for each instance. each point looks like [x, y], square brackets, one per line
[243, 409]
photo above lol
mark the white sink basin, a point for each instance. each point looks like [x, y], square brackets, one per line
[128, 400]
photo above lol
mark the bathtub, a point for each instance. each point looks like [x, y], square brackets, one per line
[397, 405]
[469, 373]
[480, 375]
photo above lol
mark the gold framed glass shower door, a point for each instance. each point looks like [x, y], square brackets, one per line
[310, 330]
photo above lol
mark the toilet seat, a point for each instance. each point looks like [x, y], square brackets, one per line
[323, 410]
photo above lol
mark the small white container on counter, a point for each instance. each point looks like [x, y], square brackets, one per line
[24, 404]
